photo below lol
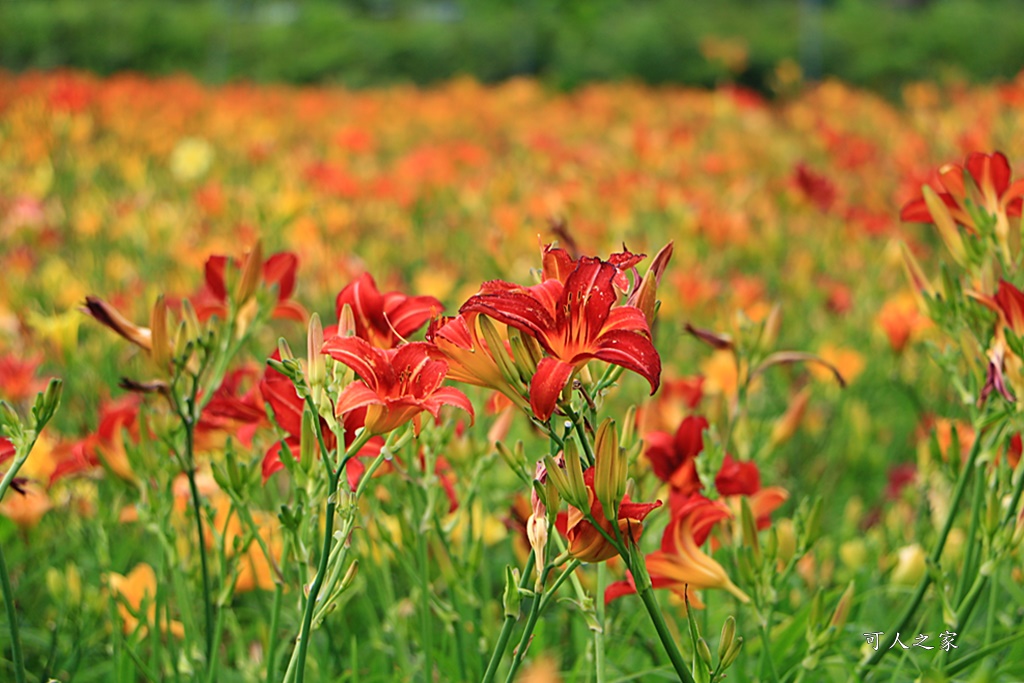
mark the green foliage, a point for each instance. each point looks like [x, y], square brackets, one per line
[865, 42]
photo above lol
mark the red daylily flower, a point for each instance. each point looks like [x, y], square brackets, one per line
[395, 385]
[673, 457]
[574, 322]
[991, 174]
[277, 270]
[588, 544]
[385, 320]
[230, 410]
[736, 478]
[6, 450]
[815, 186]
[557, 264]
[681, 565]
[279, 392]
[17, 377]
[106, 445]
[1010, 303]
[1013, 452]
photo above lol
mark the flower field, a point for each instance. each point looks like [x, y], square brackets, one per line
[494, 383]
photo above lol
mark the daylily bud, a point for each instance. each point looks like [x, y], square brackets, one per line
[246, 314]
[577, 492]
[316, 366]
[814, 615]
[252, 271]
[511, 597]
[943, 220]
[193, 328]
[628, 434]
[993, 514]
[731, 655]
[610, 469]
[720, 342]
[812, 524]
[284, 349]
[497, 346]
[10, 423]
[749, 526]
[918, 280]
[770, 330]
[559, 478]
[842, 610]
[853, 553]
[537, 533]
[308, 444]
[785, 427]
[47, 403]
[515, 459]
[73, 584]
[112, 318]
[532, 347]
[346, 321]
[728, 635]
[524, 361]
[787, 539]
[55, 584]
[646, 295]
[161, 350]
[705, 652]
[350, 576]
[910, 565]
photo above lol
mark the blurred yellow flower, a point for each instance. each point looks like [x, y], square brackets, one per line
[191, 159]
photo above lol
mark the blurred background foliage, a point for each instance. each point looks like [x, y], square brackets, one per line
[761, 44]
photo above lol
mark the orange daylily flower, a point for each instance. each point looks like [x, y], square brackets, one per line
[992, 176]
[681, 565]
[901, 319]
[138, 590]
[587, 543]
[25, 502]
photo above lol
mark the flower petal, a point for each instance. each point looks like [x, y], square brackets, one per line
[547, 384]
[356, 395]
[633, 351]
[214, 271]
[366, 360]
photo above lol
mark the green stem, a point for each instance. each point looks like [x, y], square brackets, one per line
[766, 653]
[506, 628]
[211, 674]
[972, 548]
[667, 641]
[908, 613]
[599, 661]
[314, 589]
[297, 666]
[531, 623]
[577, 423]
[5, 579]
[993, 605]
[428, 644]
[12, 621]
[549, 595]
[275, 618]
[197, 507]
